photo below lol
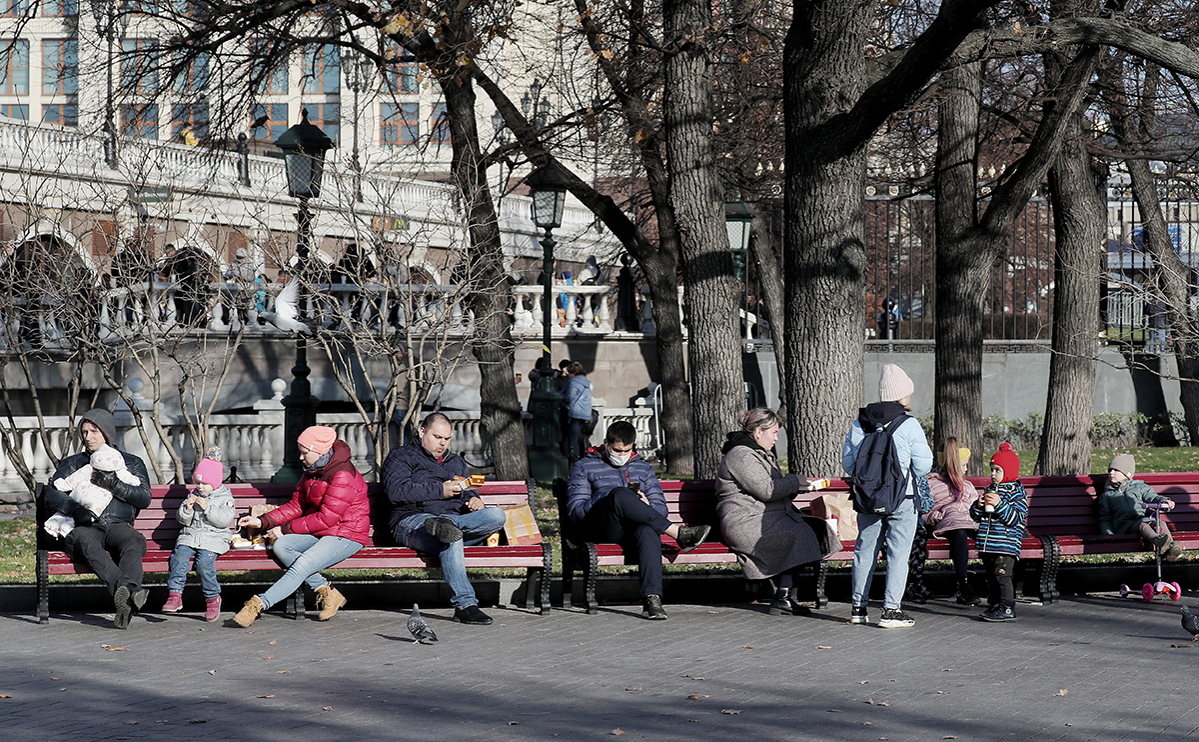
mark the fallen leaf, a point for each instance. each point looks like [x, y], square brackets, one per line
[833, 711]
[1061, 692]
[212, 672]
[949, 736]
[328, 708]
[514, 723]
[281, 672]
[867, 723]
[617, 731]
[270, 696]
[884, 703]
[697, 678]
[821, 646]
[870, 701]
[320, 660]
[269, 657]
[731, 712]
[1054, 644]
[692, 697]
[635, 687]
[5, 695]
[54, 678]
[274, 642]
[947, 669]
[113, 649]
[746, 646]
[131, 722]
[1179, 646]
[197, 721]
[863, 682]
[942, 693]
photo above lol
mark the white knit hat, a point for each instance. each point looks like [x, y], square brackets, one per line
[894, 384]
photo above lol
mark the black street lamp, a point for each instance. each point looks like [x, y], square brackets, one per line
[109, 20]
[304, 147]
[547, 187]
[359, 76]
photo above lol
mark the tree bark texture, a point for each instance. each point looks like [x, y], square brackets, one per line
[770, 278]
[824, 259]
[1080, 226]
[696, 196]
[493, 348]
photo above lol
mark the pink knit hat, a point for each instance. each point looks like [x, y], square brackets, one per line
[210, 470]
[318, 439]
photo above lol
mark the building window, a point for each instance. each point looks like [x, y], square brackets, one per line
[139, 67]
[400, 124]
[60, 67]
[439, 125]
[193, 75]
[322, 70]
[194, 115]
[326, 116]
[15, 111]
[14, 8]
[60, 7]
[140, 121]
[272, 80]
[401, 77]
[273, 117]
[15, 72]
[65, 114]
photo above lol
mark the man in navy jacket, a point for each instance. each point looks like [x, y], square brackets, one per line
[433, 509]
[614, 497]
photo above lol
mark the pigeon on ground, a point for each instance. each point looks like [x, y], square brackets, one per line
[287, 310]
[1189, 623]
[420, 630]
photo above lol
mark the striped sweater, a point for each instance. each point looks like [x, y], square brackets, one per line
[1001, 532]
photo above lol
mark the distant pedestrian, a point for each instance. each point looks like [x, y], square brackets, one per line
[576, 398]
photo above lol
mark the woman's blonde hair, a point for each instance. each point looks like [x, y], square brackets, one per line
[953, 463]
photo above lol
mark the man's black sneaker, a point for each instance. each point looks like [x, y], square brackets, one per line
[444, 530]
[893, 618]
[997, 613]
[472, 615]
[859, 615]
[692, 536]
[651, 608]
[124, 609]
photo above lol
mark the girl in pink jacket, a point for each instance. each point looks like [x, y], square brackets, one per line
[952, 496]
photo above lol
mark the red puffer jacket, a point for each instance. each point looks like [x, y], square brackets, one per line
[330, 501]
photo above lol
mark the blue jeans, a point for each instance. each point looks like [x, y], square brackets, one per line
[304, 556]
[898, 528]
[181, 559]
[476, 526]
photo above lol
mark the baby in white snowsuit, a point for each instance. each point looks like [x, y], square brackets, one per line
[91, 496]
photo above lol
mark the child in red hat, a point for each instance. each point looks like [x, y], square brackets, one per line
[1001, 514]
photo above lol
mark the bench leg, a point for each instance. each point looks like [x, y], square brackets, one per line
[1046, 574]
[43, 586]
[590, 576]
[821, 570]
[544, 578]
[295, 604]
[569, 554]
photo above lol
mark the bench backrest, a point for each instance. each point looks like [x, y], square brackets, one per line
[1056, 505]
[158, 523]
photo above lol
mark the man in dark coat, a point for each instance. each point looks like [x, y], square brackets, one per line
[434, 509]
[107, 543]
[614, 497]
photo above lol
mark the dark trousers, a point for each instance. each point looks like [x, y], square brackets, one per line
[574, 439]
[114, 551]
[620, 517]
[1000, 568]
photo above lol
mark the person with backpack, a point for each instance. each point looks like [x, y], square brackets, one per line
[884, 451]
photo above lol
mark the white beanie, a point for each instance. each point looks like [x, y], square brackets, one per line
[894, 384]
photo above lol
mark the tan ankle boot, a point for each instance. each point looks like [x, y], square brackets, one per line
[330, 601]
[249, 612]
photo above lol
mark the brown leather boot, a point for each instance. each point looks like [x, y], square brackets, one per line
[249, 612]
[330, 601]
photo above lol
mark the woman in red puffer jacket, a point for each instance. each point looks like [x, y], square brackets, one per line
[326, 521]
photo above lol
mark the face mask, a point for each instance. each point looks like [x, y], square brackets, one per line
[620, 459]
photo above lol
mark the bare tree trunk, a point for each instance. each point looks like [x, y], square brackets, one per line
[770, 277]
[493, 347]
[1079, 221]
[1174, 279]
[697, 198]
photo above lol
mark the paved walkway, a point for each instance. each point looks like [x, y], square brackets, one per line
[1089, 668]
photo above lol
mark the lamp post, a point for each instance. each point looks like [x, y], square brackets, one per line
[358, 76]
[108, 17]
[304, 147]
[546, 462]
[501, 138]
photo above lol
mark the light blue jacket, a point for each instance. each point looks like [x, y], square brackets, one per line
[576, 397]
[911, 446]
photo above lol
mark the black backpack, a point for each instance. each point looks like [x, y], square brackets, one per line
[878, 486]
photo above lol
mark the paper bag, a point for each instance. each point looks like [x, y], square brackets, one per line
[838, 505]
[521, 527]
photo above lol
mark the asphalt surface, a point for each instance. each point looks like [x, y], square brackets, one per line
[1094, 667]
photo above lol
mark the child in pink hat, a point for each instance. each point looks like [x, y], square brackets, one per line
[206, 515]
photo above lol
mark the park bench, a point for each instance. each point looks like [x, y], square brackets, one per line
[160, 527]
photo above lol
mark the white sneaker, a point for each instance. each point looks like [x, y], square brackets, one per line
[893, 618]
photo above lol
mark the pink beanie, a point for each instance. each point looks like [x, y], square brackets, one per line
[210, 470]
[894, 384]
[318, 439]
